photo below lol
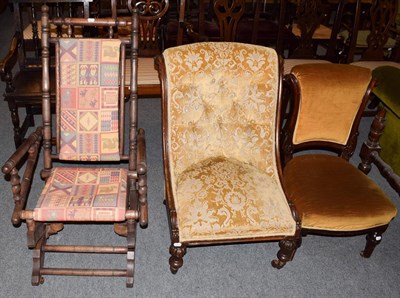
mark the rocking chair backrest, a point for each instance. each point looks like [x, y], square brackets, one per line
[89, 92]
[88, 114]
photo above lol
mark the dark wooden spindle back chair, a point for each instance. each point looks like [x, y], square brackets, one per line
[152, 14]
[373, 34]
[23, 85]
[88, 129]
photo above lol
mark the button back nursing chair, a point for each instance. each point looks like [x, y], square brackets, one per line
[89, 129]
[331, 196]
[220, 136]
[382, 146]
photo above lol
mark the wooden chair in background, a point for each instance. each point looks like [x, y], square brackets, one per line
[23, 87]
[152, 17]
[89, 129]
[373, 34]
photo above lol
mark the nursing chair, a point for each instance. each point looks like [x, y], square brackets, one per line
[331, 196]
[90, 177]
[383, 144]
[220, 115]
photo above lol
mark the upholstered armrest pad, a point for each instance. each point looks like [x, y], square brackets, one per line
[387, 87]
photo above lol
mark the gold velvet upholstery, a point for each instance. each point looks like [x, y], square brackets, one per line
[313, 122]
[334, 195]
[330, 195]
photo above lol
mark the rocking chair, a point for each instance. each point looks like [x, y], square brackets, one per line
[89, 129]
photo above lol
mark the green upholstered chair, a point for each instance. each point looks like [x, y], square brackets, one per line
[383, 145]
[331, 196]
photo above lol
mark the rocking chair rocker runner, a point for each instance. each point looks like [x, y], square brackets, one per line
[90, 128]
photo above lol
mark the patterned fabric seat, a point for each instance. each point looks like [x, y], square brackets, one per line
[83, 194]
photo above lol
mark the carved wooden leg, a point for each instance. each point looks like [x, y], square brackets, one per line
[373, 239]
[38, 261]
[372, 144]
[286, 253]
[130, 257]
[176, 259]
[15, 121]
[30, 116]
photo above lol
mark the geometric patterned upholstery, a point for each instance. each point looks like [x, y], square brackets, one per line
[83, 194]
[89, 79]
[222, 101]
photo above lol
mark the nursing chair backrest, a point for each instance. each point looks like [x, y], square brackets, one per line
[221, 101]
[328, 103]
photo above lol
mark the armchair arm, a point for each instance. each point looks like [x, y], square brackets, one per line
[142, 178]
[20, 189]
[8, 62]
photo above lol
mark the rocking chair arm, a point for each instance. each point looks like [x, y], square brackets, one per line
[20, 187]
[21, 151]
[141, 157]
[142, 179]
[9, 61]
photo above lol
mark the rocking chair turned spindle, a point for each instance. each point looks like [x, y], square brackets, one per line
[89, 129]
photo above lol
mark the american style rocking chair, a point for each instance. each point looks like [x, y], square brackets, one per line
[89, 129]
[220, 115]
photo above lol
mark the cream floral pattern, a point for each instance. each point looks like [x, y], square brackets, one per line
[221, 139]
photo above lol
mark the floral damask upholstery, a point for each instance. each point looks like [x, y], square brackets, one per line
[89, 78]
[83, 194]
[222, 101]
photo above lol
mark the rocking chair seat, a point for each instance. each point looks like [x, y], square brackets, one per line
[350, 202]
[220, 198]
[83, 194]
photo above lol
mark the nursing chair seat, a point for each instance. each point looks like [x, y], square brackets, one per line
[223, 198]
[348, 202]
